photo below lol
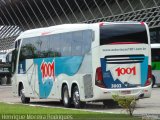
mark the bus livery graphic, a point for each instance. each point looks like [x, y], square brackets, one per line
[45, 75]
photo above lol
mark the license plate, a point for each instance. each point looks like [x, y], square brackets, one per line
[126, 92]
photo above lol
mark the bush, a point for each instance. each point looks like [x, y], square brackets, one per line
[126, 102]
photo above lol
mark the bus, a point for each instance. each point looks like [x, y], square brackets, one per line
[155, 52]
[79, 63]
[5, 65]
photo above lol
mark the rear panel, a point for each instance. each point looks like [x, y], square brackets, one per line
[125, 66]
[124, 55]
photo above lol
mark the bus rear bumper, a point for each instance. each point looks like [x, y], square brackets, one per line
[137, 93]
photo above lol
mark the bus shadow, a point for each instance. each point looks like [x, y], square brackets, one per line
[93, 106]
[100, 106]
[47, 103]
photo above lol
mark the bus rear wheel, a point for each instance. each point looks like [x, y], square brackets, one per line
[76, 98]
[65, 97]
[23, 98]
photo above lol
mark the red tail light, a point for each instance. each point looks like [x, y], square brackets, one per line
[99, 77]
[148, 82]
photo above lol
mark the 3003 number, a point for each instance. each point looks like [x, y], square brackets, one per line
[116, 86]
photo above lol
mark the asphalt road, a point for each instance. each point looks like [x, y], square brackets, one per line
[146, 106]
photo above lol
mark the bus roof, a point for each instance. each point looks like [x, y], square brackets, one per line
[51, 30]
[65, 28]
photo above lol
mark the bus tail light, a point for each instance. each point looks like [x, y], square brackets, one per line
[148, 82]
[99, 78]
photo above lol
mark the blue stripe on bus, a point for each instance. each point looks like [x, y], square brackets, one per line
[107, 76]
[144, 70]
[46, 86]
[63, 65]
[68, 65]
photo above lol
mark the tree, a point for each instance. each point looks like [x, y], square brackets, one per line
[126, 102]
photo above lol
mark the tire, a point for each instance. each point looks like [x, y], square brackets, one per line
[65, 97]
[23, 98]
[76, 98]
[110, 103]
[153, 80]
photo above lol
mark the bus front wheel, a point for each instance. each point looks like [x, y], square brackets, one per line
[23, 98]
[65, 97]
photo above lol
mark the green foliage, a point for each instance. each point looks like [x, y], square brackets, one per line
[18, 109]
[126, 102]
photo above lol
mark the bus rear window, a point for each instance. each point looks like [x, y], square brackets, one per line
[123, 33]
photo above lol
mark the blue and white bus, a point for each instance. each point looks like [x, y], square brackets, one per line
[76, 63]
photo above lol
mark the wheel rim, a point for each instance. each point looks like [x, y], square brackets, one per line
[22, 94]
[76, 97]
[66, 97]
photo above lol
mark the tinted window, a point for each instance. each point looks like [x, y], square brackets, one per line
[29, 48]
[66, 40]
[56, 45]
[43, 46]
[155, 55]
[86, 42]
[77, 40]
[115, 33]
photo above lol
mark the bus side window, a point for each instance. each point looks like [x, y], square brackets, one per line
[55, 45]
[86, 42]
[66, 42]
[77, 43]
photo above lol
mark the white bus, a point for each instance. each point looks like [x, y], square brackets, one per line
[76, 63]
[155, 50]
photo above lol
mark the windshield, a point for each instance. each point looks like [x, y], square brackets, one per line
[123, 33]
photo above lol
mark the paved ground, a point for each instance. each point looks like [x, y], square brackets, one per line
[144, 106]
